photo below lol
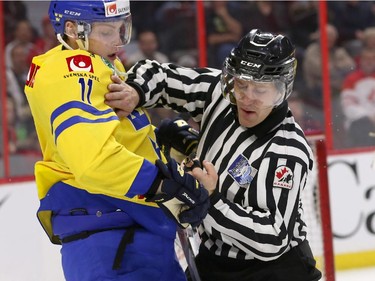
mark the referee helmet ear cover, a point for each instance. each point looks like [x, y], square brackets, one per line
[263, 57]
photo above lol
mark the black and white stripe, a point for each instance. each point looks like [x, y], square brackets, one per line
[257, 221]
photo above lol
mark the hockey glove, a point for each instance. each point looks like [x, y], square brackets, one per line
[180, 196]
[177, 134]
[191, 162]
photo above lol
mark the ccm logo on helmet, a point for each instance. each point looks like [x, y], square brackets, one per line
[255, 65]
[72, 13]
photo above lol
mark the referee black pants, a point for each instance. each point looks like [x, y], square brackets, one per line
[296, 265]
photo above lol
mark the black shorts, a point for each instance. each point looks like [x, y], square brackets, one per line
[296, 265]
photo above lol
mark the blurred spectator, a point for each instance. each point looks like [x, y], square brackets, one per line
[302, 115]
[24, 34]
[14, 11]
[340, 64]
[16, 77]
[223, 31]
[11, 124]
[46, 41]
[303, 17]
[142, 11]
[358, 101]
[175, 27]
[266, 15]
[351, 18]
[367, 38]
[19, 140]
[303, 22]
[187, 60]
[147, 49]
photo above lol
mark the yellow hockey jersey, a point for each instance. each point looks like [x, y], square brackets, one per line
[84, 144]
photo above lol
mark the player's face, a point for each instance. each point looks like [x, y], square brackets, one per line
[255, 101]
[106, 39]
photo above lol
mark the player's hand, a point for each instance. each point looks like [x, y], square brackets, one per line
[179, 194]
[121, 97]
[178, 134]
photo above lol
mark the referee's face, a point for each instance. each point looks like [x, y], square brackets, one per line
[255, 101]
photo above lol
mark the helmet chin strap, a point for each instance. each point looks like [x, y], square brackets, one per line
[61, 40]
[82, 41]
[82, 44]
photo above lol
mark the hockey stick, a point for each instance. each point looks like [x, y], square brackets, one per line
[183, 235]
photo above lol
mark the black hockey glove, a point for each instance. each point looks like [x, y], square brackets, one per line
[180, 196]
[177, 134]
[191, 162]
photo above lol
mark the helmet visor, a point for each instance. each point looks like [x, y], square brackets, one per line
[265, 92]
[114, 33]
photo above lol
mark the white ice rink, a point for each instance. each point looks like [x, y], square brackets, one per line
[366, 274]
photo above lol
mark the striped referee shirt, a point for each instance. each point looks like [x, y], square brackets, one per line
[256, 210]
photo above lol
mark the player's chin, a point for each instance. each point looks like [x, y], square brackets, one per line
[112, 57]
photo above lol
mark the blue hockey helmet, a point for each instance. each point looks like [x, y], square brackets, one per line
[87, 12]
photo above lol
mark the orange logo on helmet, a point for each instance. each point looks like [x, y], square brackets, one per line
[111, 9]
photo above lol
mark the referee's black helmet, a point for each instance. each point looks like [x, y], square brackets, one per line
[261, 57]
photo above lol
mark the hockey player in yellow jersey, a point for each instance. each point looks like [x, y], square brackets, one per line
[107, 194]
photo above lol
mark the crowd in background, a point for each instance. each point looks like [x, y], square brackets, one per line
[166, 31]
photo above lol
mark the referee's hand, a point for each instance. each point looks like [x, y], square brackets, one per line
[207, 176]
[121, 97]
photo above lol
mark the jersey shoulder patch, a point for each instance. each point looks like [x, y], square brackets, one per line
[283, 177]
